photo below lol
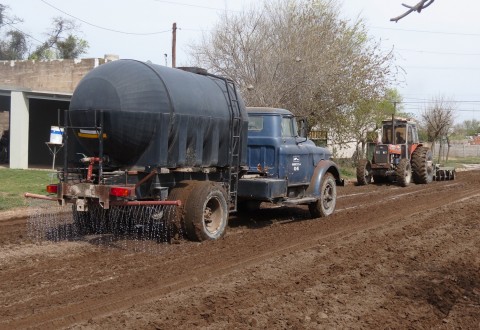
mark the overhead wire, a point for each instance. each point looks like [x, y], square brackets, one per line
[426, 31]
[104, 28]
[196, 6]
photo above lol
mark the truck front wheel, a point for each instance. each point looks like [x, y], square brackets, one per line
[206, 212]
[325, 205]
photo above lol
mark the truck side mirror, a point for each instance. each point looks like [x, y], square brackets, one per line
[302, 128]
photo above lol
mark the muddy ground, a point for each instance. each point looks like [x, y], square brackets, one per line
[389, 257]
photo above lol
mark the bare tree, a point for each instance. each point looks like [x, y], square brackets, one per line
[59, 46]
[300, 55]
[418, 8]
[437, 119]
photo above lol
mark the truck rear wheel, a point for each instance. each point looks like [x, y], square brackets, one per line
[325, 205]
[181, 192]
[364, 172]
[422, 165]
[404, 172]
[206, 212]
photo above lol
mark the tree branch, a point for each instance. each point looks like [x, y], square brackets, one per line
[418, 8]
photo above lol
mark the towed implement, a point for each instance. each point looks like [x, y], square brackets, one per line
[401, 157]
[149, 147]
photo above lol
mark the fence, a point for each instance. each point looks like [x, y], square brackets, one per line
[457, 151]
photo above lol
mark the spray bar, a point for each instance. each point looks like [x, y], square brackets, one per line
[113, 203]
[142, 203]
[37, 196]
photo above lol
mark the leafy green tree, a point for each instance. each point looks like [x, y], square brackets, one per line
[62, 42]
[13, 43]
[14, 46]
[465, 129]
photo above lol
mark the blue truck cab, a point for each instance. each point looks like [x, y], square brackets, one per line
[284, 167]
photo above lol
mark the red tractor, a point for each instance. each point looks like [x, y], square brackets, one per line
[401, 157]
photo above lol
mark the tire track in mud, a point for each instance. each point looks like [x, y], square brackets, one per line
[234, 259]
[13, 222]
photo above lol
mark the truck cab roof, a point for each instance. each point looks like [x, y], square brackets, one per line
[268, 111]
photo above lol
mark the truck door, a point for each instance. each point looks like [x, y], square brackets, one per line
[295, 160]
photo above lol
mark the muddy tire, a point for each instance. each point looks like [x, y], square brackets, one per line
[404, 172]
[176, 214]
[206, 212]
[422, 165]
[328, 199]
[364, 172]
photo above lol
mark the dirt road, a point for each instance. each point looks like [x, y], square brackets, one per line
[389, 257]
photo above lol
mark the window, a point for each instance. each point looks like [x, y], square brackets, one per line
[387, 134]
[255, 123]
[287, 127]
[410, 135]
[400, 134]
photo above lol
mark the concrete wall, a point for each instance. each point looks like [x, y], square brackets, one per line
[59, 76]
[458, 150]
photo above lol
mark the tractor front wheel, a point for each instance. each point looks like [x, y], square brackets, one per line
[404, 172]
[364, 172]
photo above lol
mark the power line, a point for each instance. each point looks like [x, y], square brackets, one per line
[196, 6]
[426, 31]
[24, 33]
[433, 101]
[439, 68]
[436, 52]
[101, 27]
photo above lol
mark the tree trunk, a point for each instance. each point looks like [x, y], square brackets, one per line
[448, 149]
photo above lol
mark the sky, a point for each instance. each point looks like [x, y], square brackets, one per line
[437, 50]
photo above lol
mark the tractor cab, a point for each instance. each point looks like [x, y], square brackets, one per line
[399, 140]
[398, 156]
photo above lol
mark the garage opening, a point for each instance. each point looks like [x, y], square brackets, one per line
[43, 115]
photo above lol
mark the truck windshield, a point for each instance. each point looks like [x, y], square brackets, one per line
[288, 127]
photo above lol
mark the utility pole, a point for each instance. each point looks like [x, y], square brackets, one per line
[174, 45]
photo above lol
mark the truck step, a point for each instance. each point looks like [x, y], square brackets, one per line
[298, 201]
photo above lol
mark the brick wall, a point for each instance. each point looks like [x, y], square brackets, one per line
[59, 76]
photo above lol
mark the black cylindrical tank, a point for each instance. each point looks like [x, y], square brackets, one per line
[158, 116]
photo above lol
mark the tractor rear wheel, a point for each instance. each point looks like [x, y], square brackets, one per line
[404, 172]
[206, 212]
[364, 172]
[422, 165]
[325, 205]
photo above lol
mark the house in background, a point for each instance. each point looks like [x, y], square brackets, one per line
[32, 97]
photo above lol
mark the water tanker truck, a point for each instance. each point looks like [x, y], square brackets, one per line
[182, 143]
